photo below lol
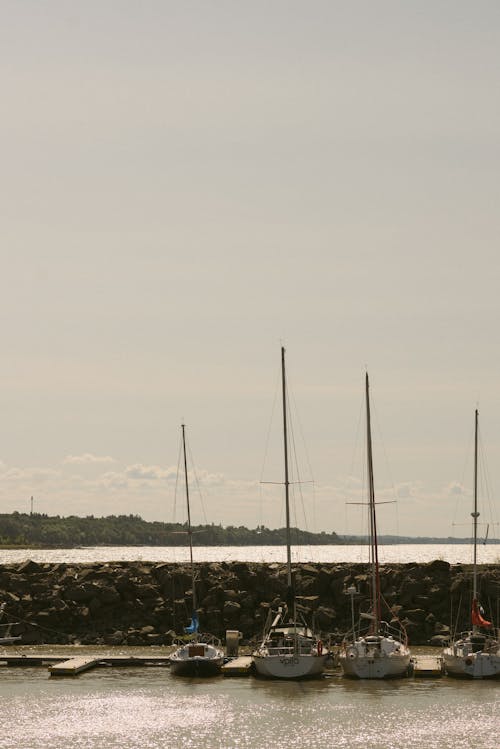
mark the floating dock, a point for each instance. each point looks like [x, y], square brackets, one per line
[241, 666]
[74, 666]
[428, 666]
[64, 665]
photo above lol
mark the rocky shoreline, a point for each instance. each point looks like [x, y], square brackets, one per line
[143, 603]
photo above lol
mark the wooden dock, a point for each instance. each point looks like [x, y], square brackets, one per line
[74, 666]
[427, 666]
[241, 666]
[31, 659]
[66, 665]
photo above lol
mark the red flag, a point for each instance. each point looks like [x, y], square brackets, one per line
[477, 617]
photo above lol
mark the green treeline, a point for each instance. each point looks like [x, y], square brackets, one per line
[40, 530]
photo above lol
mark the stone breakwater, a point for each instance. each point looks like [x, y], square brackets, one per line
[140, 603]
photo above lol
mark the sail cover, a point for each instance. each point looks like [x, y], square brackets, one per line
[478, 615]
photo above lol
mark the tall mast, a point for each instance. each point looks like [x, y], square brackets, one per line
[287, 483]
[189, 531]
[373, 519]
[475, 514]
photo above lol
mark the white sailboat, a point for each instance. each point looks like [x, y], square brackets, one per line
[200, 655]
[382, 651]
[289, 649]
[476, 653]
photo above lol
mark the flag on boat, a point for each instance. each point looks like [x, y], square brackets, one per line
[193, 627]
[478, 615]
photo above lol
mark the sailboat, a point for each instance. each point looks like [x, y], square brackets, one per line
[201, 654]
[474, 654]
[381, 651]
[289, 649]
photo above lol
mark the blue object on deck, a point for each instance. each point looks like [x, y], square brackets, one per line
[193, 627]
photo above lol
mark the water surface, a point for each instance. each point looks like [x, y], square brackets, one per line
[113, 708]
[453, 553]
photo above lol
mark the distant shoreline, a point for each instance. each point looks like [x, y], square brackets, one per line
[40, 531]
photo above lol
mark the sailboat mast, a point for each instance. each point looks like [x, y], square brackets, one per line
[287, 482]
[189, 531]
[475, 514]
[373, 519]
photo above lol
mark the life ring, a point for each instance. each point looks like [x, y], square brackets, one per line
[320, 647]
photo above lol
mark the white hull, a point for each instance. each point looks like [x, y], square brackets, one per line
[461, 660]
[289, 666]
[383, 658]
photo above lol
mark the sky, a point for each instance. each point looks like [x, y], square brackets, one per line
[187, 186]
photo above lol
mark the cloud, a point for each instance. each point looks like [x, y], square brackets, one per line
[141, 472]
[455, 488]
[407, 489]
[37, 475]
[113, 480]
[87, 459]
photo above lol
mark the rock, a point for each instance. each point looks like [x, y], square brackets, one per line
[117, 638]
[325, 618]
[438, 567]
[92, 602]
[231, 611]
[416, 615]
[310, 603]
[169, 637]
[83, 593]
[309, 570]
[108, 595]
[29, 567]
[155, 639]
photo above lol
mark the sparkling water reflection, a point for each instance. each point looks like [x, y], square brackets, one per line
[453, 553]
[150, 708]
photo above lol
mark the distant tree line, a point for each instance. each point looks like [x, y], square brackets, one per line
[40, 530]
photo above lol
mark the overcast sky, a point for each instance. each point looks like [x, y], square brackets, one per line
[187, 185]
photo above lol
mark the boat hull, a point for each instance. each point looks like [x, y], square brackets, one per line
[384, 667]
[196, 666]
[375, 658]
[290, 666]
[473, 665]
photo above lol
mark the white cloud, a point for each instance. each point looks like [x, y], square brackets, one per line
[88, 459]
[138, 471]
[112, 480]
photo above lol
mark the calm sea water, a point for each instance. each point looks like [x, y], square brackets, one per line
[453, 553]
[147, 707]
